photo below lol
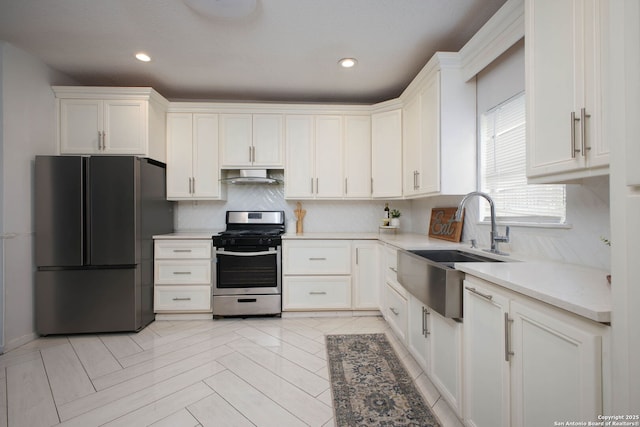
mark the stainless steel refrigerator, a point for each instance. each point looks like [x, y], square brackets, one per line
[94, 221]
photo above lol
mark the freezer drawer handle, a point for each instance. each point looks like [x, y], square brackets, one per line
[182, 299]
[247, 300]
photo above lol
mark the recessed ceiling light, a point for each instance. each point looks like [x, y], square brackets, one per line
[347, 62]
[143, 57]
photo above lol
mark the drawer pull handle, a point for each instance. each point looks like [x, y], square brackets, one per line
[487, 296]
[182, 299]
[247, 300]
[181, 272]
[317, 293]
[507, 344]
[317, 259]
[181, 250]
[394, 311]
[395, 270]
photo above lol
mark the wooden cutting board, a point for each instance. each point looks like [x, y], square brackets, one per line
[442, 226]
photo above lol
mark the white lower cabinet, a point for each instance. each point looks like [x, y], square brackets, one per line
[396, 310]
[182, 276]
[435, 342]
[313, 293]
[365, 274]
[527, 363]
[329, 275]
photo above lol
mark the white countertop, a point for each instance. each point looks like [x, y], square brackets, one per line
[188, 235]
[577, 289]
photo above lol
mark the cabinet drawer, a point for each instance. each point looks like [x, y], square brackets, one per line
[316, 293]
[181, 249]
[176, 272]
[182, 298]
[396, 312]
[317, 257]
[391, 264]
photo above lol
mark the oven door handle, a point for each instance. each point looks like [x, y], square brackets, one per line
[270, 252]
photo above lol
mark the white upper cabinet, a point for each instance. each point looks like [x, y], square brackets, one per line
[386, 154]
[111, 120]
[328, 156]
[251, 140]
[439, 130]
[299, 170]
[192, 157]
[357, 157]
[564, 45]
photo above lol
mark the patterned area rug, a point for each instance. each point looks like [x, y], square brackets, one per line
[371, 386]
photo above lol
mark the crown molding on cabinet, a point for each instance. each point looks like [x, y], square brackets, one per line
[502, 31]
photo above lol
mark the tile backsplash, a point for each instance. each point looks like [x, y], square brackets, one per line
[322, 215]
[579, 243]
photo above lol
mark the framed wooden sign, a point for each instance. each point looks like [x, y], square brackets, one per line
[442, 226]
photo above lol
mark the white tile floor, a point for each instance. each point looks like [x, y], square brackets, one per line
[232, 372]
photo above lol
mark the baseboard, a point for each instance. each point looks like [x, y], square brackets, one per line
[184, 316]
[346, 313]
[20, 341]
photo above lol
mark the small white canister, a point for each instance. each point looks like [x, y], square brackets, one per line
[291, 226]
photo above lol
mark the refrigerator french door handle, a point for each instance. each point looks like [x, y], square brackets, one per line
[86, 214]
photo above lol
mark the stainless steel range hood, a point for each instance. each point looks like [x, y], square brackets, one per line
[250, 176]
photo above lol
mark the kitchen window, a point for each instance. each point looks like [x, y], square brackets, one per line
[503, 170]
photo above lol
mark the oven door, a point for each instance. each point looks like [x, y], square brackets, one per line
[248, 272]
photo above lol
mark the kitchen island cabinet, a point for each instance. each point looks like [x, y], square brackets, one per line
[111, 120]
[531, 356]
[566, 42]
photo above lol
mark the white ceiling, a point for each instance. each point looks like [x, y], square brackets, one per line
[283, 50]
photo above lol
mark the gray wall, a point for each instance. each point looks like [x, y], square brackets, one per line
[27, 107]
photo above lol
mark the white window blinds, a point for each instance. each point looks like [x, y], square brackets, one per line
[503, 170]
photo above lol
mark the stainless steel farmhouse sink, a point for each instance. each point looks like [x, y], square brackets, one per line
[429, 276]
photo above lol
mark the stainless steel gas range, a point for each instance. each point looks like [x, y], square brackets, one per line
[248, 264]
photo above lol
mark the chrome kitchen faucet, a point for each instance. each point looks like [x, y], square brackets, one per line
[495, 238]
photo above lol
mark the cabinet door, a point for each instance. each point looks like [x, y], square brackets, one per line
[268, 141]
[125, 127]
[445, 357]
[487, 394]
[299, 157]
[417, 332]
[206, 171]
[81, 120]
[365, 275]
[235, 140]
[386, 154]
[329, 181]
[428, 178]
[179, 155]
[411, 145]
[556, 366]
[554, 51]
[357, 153]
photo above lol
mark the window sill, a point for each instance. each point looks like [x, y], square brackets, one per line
[555, 226]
